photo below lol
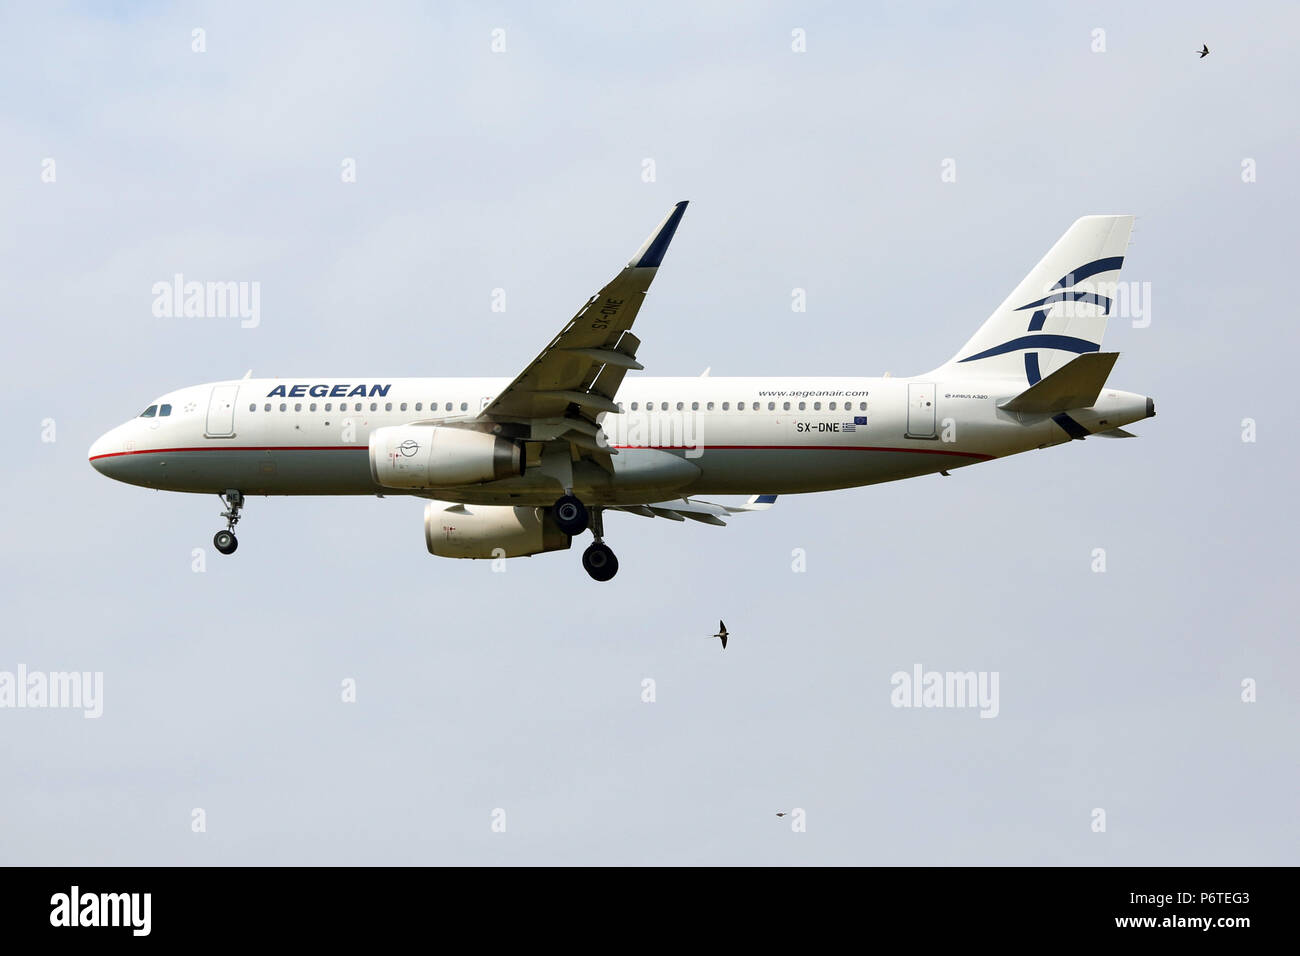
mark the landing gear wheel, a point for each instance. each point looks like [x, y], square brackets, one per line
[599, 562]
[570, 515]
[225, 541]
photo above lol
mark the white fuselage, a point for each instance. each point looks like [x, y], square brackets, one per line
[763, 435]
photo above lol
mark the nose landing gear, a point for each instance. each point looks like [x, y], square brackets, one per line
[225, 541]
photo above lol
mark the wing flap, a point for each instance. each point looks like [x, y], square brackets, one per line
[705, 512]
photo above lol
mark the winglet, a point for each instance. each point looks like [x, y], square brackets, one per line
[651, 253]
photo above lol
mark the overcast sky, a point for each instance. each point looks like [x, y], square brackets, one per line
[522, 690]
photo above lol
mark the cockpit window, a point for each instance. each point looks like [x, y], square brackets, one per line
[149, 412]
[164, 411]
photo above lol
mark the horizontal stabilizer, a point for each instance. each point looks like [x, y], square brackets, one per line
[1075, 384]
[755, 503]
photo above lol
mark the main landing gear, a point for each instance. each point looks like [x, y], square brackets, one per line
[571, 515]
[573, 518]
[599, 561]
[225, 541]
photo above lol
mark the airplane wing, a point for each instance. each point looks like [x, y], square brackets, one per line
[575, 378]
[679, 509]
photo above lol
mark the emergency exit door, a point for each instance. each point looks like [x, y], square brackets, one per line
[920, 411]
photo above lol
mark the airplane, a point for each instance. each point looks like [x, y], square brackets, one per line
[519, 467]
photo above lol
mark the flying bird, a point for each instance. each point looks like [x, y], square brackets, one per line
[722, 633]
[1204, 51]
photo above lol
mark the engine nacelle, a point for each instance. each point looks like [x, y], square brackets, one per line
[476, 531]
[434, 456]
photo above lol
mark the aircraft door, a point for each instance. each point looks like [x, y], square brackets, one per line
[920, 411]
[221, 412]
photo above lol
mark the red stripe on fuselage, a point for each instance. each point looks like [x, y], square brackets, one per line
[162, 451]
[913, 451]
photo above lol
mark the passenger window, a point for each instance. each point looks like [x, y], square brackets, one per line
[419, 405]
[710, 406]
[164, 411]
[374, 406]
[329, 406]
[785, 406]
[284, 406]
[680, 406]
[253, 407]
[297, 406]
[358, 408]
[817, 406]
[449, 406]
[802, 406]
[464, 406]
[149, 412]
[390, 407]
[634, 406]
[266, 407]
[695, 406]
[740, 406]
[832, 406]
[862, 406]
[726, 406]
[312, 408]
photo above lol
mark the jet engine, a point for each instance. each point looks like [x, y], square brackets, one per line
[477, 531]
[434, 456]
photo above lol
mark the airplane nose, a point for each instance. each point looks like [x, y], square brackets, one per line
[103, 451]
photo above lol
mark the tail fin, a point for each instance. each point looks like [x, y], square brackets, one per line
[1057, 311]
